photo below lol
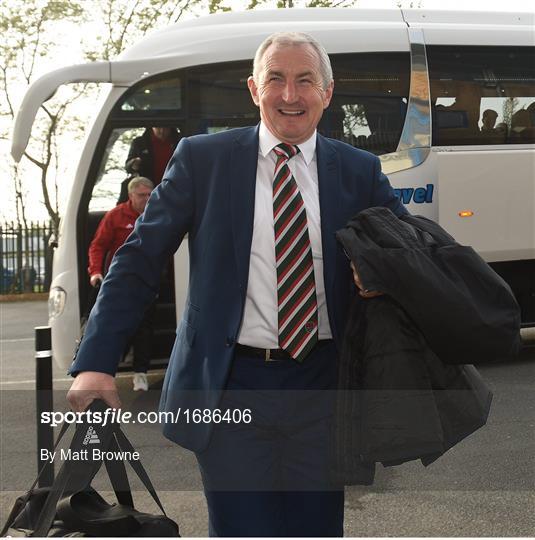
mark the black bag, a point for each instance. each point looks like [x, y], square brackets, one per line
[466, 312]
[71, 507]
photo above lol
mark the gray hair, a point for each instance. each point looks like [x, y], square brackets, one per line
[295, 38]
[139, 181]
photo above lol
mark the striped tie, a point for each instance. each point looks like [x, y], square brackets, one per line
[296, 289]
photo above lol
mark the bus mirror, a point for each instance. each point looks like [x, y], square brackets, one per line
[42, 90]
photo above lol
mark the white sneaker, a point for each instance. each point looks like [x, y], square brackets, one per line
[141, 382]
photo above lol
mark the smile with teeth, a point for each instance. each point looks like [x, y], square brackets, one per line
[291, 113]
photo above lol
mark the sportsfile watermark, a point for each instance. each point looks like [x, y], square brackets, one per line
[277, 417]
[181, 415]
[90, 451]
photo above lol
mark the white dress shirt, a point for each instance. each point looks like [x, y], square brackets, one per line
[260, 320]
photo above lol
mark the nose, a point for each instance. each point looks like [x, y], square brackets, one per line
[289, 93]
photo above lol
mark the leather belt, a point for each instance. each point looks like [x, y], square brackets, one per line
[270, 355]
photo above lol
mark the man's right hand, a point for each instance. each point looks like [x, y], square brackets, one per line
[135, 164]
[363, 292]
[96, 280]
[91, 385]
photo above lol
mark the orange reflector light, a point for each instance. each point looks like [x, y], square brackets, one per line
[466, 213]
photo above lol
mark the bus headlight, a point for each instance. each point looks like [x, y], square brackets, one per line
[56, 302]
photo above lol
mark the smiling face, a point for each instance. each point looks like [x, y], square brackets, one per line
[289, 91]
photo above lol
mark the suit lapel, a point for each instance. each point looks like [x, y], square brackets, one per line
[329, 184]
[243, 164]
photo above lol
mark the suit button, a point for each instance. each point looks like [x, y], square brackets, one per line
[230, 341]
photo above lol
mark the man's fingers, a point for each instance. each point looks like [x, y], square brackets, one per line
[91, 385]
[112, 399]
[80, 400]
[356, 277]
[362, 292]
[370, 294]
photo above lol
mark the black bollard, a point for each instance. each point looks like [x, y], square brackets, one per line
[44, 400]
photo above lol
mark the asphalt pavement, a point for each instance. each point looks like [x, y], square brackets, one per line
[485, 486]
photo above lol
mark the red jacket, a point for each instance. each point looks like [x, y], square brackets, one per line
[111, 234]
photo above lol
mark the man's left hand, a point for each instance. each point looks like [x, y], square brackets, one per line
[362, 291]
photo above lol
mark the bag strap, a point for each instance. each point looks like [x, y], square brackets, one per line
[18, 507]
[64, 428]
[118, 477]
[126, 446]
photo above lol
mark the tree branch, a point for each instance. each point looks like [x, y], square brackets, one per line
[119, 45]
[6, 93]
[36, 45]
[35, 161]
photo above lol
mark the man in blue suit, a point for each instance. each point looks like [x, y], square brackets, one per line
[268, 296]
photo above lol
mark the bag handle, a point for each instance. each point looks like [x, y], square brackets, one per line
[72, 476]
[125, 445]
[118, 477]
[64, 428]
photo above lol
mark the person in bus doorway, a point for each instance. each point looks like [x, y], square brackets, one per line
[269, 292]
[149, 154]
[111, 234]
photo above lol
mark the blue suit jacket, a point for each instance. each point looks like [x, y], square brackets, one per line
[208, 192]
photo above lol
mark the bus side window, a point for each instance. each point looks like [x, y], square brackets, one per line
[482, 95]
[370, 100]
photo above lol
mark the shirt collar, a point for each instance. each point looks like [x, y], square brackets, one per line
[267, 141]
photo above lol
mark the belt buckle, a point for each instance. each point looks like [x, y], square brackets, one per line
[267, 357]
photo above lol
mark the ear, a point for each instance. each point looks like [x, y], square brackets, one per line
[328, 95]
[254, 90]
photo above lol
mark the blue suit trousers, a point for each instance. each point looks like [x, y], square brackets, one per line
[270, 477]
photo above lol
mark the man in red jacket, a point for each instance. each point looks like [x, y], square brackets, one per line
[111, 234]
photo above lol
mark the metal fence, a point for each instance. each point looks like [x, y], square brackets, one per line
[25, 257]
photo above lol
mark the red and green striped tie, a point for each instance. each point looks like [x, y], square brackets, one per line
[296, 288]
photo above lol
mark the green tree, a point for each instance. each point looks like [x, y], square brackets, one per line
[126, 21]
[34, 31]
[26, 27]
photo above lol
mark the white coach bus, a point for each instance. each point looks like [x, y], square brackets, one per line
[445, 99]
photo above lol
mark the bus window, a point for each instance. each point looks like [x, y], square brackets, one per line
[219, 98]
[482, 95]
[370, 100]
[367, 110]
[158, 95]
[202, 99]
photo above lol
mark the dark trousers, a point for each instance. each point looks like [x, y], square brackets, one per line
[270, 477]
[141, 341]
